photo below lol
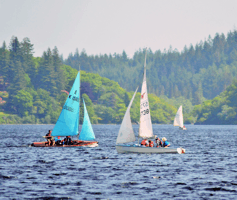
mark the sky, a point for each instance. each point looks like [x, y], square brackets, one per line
[113, 26]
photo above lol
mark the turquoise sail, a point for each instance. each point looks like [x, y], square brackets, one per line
[68, 121]
[87, 132]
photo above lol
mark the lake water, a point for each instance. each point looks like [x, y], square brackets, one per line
[208, 170]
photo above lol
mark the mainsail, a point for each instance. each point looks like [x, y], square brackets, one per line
[87, 132]
[67, 124]
[126, 133]
[145, 128]
[178, 120]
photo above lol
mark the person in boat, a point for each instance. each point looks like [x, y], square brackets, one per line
[49, 134]
[68, 140]
[49, 138]
[145, 143]
[158, 142]
[151, 144]
[165, 142]
[58, 140]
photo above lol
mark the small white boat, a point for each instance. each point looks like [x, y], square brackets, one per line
[126, 133]
[178, 120]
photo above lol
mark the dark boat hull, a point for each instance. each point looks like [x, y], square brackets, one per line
[76, 143]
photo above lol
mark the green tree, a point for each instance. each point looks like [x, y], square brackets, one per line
[23, 102]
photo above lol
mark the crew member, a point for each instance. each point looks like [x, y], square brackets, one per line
[145, 143]
[49, 137]
[151, 144]
[165, 142]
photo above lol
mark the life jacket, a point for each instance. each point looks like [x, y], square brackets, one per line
[144, 143]
[151, 144]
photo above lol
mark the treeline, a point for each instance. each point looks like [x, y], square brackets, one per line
[32, 90]
[197, 73]
[33, 84]
[220, 110]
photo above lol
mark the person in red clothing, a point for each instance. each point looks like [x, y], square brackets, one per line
[145, 143]
[151, 144]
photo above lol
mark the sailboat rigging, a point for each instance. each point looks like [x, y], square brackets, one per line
[126, 134]
[68, 122]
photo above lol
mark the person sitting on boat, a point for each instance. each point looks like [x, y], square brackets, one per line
[158, 142]
[145, 143]
[58, 140]
[151, 144]
[165, 142]
[68, 140]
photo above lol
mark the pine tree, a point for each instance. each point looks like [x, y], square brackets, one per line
[4, 62]
[59, 77]
[45, 76]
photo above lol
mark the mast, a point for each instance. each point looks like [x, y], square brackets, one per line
[79, 68]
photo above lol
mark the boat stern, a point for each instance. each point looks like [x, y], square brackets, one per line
[181, 150]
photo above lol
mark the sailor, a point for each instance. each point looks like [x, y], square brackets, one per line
[58, 140]
[49, 137]
[68, 140]
[151, 144]
[158, 142]
[49, 133]
[165, 142]
[145, 143]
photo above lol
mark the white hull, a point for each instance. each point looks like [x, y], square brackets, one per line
[140, 149]
[182, 128]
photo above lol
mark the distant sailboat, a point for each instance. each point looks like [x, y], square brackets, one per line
[68, 121]
[126, 134]
[178, 120]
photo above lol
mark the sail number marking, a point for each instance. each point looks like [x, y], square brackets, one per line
[143, 105]
[74, 98]
[68, 108]
[144, 112]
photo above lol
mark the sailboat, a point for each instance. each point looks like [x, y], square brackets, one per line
[178, 120]
[126, 133]
[68, 122]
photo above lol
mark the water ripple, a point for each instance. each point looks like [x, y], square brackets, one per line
[206, 171]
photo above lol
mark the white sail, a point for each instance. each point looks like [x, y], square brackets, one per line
[126, 133]
[145, 128]
[178, 120]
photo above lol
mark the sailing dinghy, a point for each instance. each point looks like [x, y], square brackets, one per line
[126, 134]
[178, 120]
[68, 122]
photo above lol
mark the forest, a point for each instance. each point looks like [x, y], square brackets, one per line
[33, 90]
[201, 78]
[197, 73]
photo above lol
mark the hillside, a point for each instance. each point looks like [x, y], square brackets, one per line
[220, 110]
[199, 72]
[33, 90]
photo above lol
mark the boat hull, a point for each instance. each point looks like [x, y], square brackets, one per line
[78, 143]
[182, 128]
[140, 149]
